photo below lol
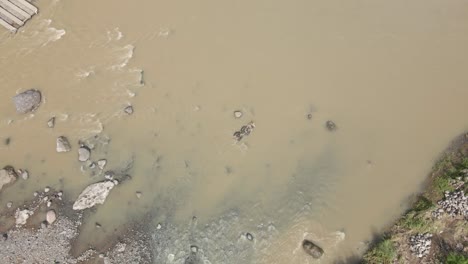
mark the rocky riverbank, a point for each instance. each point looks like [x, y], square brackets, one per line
[435, 228]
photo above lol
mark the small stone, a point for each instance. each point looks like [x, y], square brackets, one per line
[249, 236]
[27, 101]
[309, 116]
[312, 249]
[98, 225]
[170, 257]
[238, 114]
[44, 224]
[24, 174]
[47, 189]
[92, 165]
[159, 226]
[49, 203]
[93, 194]
[116, 182]
[45, 198]
[84, 153]
[138, 195]
[51, 122]
[35, 194]
[9, 204]
[22, 216]
[60, 194]
[51, 216]
[128, 110]
[194, 249]
[7, 176]
[102, 163]
[5, 236]
[331, 126]
[63, 145]
[101, 255]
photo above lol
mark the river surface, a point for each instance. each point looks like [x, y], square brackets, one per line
[392, 75]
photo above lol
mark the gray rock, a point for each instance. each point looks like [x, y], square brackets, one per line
[331, 126]
[21, 216]
[63, 145]
[9, 204]
[93, 194]
[84, 154]
[7, 176]
[51, 122]
[128, 110]
[312, 249]
[102, 163]
[51, 216]
[238, 114]
[27, 101]
[24, 174]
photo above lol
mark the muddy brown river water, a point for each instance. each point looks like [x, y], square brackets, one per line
[392, 75]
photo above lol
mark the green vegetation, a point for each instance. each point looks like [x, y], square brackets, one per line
[422, 204]
[455, 258]
[383, 252]
[415, 222]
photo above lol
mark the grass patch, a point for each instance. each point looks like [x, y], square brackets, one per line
[414, 222]
[455, 258]
[442, 184]
[422, 204]
[383, 252]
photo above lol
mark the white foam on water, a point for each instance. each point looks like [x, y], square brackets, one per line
[124, 55]
[85, 73]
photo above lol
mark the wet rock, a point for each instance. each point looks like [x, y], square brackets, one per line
[84, 153]
[98, 225]
[63, 145]
[46, 189]
[9, 204]
[194, 249]
[102, 163]
[138, 195]
[309, 116]
[51, 122]
[93, 194]
[244, 131]
[7, 176]
[51, 216]
[27, 101]
[238, 114]
[312, 249]
[24, 174]
[128, 110]
[21, 216]
[249, 236]
[5, 236]
[330, 125]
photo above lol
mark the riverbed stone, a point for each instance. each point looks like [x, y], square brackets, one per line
[128, 110]
[331, 126]
[7, 176]
[93, 194]
[51, 216]
[21, 216]
[238, 114]
[102, 163]
[27, 101]
[312, 249]
[63, 145]
[84, 154]
[51, 122]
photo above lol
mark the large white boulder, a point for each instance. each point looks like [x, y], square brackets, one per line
[93, 194]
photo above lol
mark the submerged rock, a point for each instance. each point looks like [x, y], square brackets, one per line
[83, 153]
[128, 110]
[312, 249]
[93, 194]
[51, 122]
[63, 145]
[7, 176]
[27, 101]
[238, 114]
[331, 126]
[244, 131]
[102, 163]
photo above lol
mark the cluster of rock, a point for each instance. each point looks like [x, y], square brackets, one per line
[244, 131]
[420, 244]
[454, 204]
